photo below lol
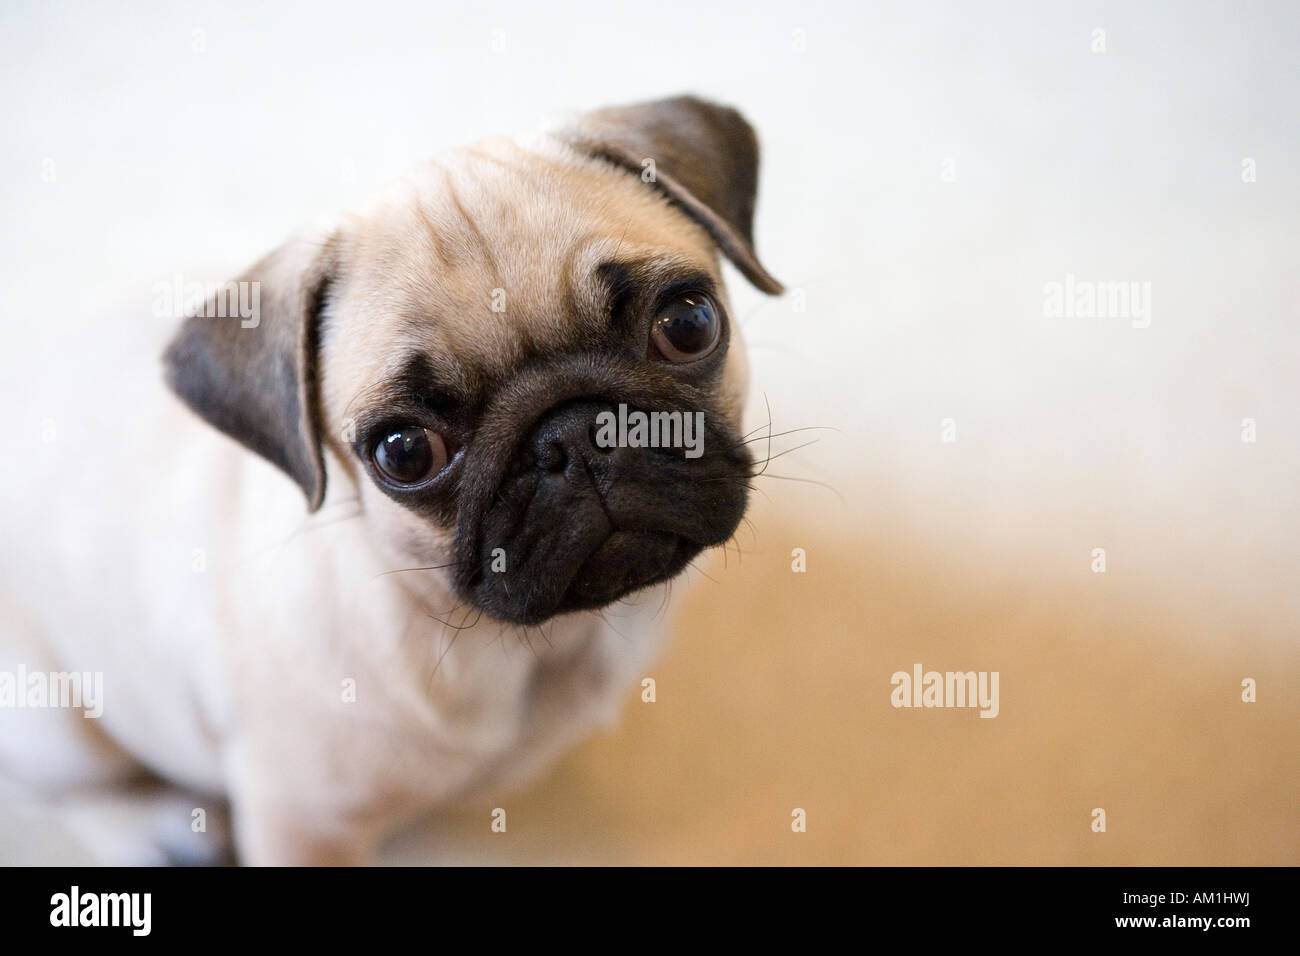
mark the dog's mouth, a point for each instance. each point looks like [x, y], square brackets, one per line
[627, 561]
[623, 563]
[580, 553]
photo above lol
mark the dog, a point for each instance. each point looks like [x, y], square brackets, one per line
[473, 586]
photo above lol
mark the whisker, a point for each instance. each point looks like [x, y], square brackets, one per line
[524, 634]
[664, 602]
[768, 425]
[781, 454]
[600, 612]
[809, 481]
[445, 651]
[694, 567]
[433, 567]
[317, 525]
[789, 431]
[455, 627]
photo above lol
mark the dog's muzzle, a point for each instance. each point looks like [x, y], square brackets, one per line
[575, 523]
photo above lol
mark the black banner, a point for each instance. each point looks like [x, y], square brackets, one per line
[334, 906]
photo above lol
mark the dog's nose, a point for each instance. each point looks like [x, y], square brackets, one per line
[568, 434]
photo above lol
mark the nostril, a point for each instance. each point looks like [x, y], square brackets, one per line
[550, 456]
[568, 435]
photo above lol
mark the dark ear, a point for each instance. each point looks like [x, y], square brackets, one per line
[247, 362]
[705, 161]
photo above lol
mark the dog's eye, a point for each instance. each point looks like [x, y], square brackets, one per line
[687, 328]
[410, 455]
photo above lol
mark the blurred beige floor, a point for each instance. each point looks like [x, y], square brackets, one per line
[775, 695]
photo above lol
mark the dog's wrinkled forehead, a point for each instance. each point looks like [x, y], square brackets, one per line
[494, 254]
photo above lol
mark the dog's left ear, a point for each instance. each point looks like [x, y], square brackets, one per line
[705, 160]
[253, 376]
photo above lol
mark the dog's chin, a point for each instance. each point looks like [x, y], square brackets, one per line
[621, 563]
[627, 561]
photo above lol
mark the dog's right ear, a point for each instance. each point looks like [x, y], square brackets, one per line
[253, 375]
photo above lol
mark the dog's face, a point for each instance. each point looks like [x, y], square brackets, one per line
[488, 313]
[521, 356]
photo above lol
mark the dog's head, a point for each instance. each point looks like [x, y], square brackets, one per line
[521, 356]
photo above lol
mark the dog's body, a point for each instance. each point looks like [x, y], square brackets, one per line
[304, 668]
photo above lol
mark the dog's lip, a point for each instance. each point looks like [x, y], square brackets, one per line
[623, 561]
[638, 558]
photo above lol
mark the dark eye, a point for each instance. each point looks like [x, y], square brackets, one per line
[410, 455]
[687, 328]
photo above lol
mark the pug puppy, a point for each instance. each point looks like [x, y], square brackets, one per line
[434, 374]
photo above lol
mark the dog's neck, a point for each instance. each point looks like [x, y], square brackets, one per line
[473, 677]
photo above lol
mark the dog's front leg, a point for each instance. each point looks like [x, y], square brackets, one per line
[276, 832]
[286, 816]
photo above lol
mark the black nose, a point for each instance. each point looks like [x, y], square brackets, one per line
[568, 435]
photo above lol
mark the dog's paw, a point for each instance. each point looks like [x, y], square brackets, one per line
[150, 825]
